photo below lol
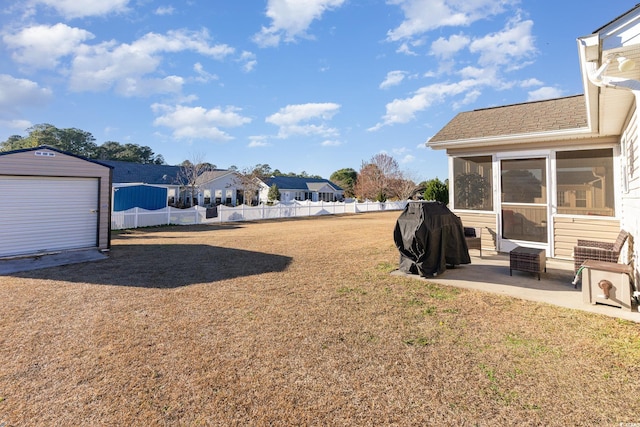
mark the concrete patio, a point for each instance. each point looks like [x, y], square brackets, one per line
[491, 274]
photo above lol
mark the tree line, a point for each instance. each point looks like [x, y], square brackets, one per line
[379, 178]
[81, 143]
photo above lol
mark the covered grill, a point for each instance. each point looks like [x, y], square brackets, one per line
[429, 237]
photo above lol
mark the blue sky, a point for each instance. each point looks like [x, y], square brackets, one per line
[314, 85]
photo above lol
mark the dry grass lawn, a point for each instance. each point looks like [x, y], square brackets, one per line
[296, 322]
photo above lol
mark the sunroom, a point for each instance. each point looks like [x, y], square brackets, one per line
[543, 174]
[544, 197]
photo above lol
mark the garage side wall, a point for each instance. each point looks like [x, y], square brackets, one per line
[51, 163]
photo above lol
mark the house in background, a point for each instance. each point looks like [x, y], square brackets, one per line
[219, 187]
[299, 188]
[147, 186]
[543, 174]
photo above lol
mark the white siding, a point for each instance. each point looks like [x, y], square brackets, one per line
[44, 214]
[630, 179]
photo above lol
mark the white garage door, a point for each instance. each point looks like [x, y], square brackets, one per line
[42, 214]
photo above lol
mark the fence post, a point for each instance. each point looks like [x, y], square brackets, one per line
[168, 215]
[135, 217]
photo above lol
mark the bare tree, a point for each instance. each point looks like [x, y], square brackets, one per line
[188, 175]
[375, 178]
[368, 184]
[403, 187]
[249, 180]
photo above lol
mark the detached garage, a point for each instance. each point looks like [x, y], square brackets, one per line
[52, 201]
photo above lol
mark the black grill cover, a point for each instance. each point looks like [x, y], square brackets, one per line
[429, 237]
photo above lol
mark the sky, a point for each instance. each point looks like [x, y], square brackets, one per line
[308, 86]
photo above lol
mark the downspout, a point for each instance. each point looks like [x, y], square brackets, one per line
[597, 77]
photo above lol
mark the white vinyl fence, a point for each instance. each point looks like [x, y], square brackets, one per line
[137, 217]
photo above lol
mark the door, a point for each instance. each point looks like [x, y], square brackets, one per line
[524, 213]
[45, 214]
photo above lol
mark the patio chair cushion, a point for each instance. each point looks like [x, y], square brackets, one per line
[598, 251]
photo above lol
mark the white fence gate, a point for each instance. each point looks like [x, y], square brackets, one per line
[137, 217]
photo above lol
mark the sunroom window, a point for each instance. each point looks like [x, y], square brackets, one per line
[585, 180]
[473, 183]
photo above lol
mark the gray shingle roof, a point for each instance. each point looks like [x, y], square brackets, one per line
[531, 117]
[124, 172]
[298, 183]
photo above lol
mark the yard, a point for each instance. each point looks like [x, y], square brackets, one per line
[296, 322]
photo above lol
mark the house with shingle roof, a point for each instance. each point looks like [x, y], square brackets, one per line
[151, 186]
[219, 187]
[301, 188]
[147, 186]
[543, 174]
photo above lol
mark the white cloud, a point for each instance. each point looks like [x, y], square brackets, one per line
[446, 48]
[203, 75]
[405, 49]
[545, 93]
[144, 87]
[331, 143]
[78, 9]
[290, 19]
[249, 61]
[17, 93]
[100, 67]
[198, 122]
[131, 69]
[421, 16]
[531, 82]
[393, 78]
[399, 151]
[17, 124]
[165, 10]
[258, 141]
[498, 53]
[513, 43]
[289, 119]
[42, 46]
[404, 110]
[469, 98]
[408, 159]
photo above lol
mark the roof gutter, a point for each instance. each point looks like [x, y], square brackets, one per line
[577, 133]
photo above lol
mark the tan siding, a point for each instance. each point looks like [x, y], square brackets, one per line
[567, 231]
[486, 221]
[631, 200]
[27, 163]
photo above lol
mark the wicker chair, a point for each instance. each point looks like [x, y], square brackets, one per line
[598, 251]
[473, 238]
